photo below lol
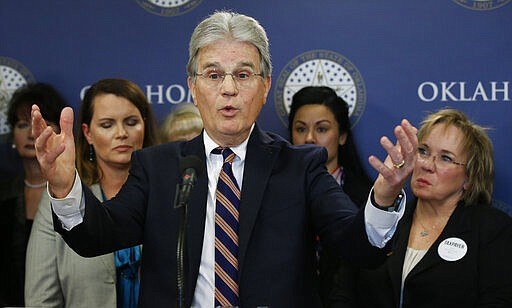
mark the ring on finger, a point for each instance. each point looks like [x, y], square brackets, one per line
[399, 165]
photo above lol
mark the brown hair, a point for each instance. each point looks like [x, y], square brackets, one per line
[87, 169]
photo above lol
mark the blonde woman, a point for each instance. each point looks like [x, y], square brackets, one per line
[183, 123]
[452, 249]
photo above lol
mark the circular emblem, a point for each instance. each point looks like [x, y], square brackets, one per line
[12, 76]
[168, 7]
[481, 5]
[321, 68]
[452, 249]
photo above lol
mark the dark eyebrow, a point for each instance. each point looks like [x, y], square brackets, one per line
[109, 118]
[323, 121]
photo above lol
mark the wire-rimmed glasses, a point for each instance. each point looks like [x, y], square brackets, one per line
[214, 77]
[441, 160]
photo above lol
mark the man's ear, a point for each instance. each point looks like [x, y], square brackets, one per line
[192, 89]
[267, 83]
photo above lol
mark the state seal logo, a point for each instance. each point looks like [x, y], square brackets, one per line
[12, 76]
[168, 7]
[321, 68]
[481, 5]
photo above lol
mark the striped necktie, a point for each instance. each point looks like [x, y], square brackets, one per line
[226, 233]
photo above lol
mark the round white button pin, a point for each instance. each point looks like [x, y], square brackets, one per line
[452, 249]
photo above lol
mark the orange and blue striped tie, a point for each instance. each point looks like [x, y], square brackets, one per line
[226, 233]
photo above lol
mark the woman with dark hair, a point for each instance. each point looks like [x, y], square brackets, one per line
[115, 119]
[20, 196]
[319, 116]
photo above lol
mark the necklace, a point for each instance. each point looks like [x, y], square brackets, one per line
[30, 185]
[426, 231]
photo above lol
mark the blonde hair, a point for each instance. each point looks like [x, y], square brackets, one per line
[183, 121]
[476, 144]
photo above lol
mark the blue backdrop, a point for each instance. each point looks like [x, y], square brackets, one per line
[389, 59]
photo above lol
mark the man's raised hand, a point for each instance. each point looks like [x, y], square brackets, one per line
[55, 151]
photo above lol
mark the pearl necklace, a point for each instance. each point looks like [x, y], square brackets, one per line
[30, 185]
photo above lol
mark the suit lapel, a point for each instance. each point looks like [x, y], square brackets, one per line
[458, 224]
[396, 260]
[260, 159]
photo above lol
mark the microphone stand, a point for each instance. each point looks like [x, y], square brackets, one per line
[191, 166]
[180, 275]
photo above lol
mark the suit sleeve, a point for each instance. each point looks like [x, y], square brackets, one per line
[114, 224]
[42, 286]
[340, 224]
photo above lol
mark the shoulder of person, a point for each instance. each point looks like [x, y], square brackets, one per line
[11, 187]
[161, 151]
[277, 140]
[490, 221]
[503, 206]
[488, 214]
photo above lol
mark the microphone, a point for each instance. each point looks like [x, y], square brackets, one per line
[191, 167]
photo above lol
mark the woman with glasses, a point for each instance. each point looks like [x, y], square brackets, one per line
[451, 249]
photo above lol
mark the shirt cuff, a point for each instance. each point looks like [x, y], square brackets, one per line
[381, 224]
[69, 209]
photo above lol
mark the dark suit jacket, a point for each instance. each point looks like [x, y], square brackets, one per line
[287, 197]
[357, 189]
[483, 277]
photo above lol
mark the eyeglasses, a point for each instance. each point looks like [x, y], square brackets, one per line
[214, 77]
[444, 161]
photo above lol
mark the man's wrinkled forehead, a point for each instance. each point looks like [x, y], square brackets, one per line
[210, 56]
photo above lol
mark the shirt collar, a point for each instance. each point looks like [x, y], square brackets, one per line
[240, 150]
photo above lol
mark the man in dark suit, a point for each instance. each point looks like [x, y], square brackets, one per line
[286, 194]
